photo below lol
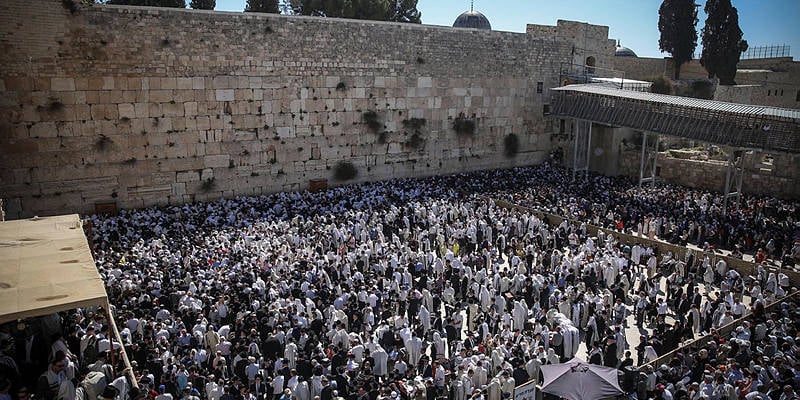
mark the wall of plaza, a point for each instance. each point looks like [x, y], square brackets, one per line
[145, 106]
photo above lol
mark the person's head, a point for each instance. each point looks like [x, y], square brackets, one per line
[23, 393]
[58, 364]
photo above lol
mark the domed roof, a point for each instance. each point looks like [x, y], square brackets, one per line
[472, 19]
[623, 51]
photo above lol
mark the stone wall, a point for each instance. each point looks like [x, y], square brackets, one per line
[586, 40]
[778, 179]
[143, 106]
[641, 68]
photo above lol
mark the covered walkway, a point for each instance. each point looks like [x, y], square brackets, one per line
[740, 126]
[737, 127]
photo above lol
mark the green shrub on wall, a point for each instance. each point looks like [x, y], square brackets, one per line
[371, 119]
[511, 145]
[464, 126]
[344, 171]
[661, 85]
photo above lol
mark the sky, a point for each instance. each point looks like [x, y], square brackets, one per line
[633, 22]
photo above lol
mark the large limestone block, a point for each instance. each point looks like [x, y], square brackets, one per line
[224, 95]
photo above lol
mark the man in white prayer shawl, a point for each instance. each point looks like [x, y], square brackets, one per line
[425, 319]
[414, 348]
[381, 359]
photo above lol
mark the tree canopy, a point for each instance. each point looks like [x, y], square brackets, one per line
[376, 10]
[262, 6]
[150, 3]
[203, 4]
[722, 41]
[677, 20]
[404, 11]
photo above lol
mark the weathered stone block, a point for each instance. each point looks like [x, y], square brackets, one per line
[216, 161]
[224, 94]
[127, 110]
[62, 84]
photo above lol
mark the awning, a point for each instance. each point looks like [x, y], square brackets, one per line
[46, 266]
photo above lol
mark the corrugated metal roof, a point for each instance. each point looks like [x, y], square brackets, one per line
[735, 108]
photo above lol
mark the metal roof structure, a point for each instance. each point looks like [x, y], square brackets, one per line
[729, 124]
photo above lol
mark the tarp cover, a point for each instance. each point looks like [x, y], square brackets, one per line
[579, 380]
[45, 267]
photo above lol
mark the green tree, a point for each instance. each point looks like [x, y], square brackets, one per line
[376, 10]
[404, 11]
[722, 41]
[203, 4]
[150, 3]
[676, 22]
[262, 6]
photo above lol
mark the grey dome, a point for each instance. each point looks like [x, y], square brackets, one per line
[623, 51]
[472, 19]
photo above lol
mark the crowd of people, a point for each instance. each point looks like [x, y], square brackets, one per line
[411, 289]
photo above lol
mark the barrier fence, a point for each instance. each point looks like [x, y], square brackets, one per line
[744, 268]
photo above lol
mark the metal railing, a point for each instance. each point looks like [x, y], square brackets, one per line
[756, 52]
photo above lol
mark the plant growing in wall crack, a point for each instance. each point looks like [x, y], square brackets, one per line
[464, 126]
[344, 171]
[511, 145]
[414, 126]
[103, 142]
[208, 185]
[370, 118]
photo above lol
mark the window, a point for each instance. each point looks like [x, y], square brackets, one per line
[539, 87]
[590, 65]
[769, 92]
[546, 109]
[781, 92]
[797, 98]
[562, 127]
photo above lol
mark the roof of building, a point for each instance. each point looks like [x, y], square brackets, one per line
[472, 19]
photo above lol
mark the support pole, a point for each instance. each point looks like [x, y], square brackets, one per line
[728, 172]
[115, 331]
[655, 162]
[740, 177]
[641, 165]
[576, 130]
[589, 150]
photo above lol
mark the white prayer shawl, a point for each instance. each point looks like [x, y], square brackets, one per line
[695, 319]
[414, 347]
[500, 301]
[358, 353]
[290, 353]
[301, 391]
[497, 359]
[425, 319]
[381, 359]
[493, 391]
[315, 386]
[532, 368]
[458, 390]
[520, 315]
[484, 298]
[571, 341]
[481, 376]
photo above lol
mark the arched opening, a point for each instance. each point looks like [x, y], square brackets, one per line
[590, 65]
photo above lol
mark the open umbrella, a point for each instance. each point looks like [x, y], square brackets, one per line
[579, 380]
